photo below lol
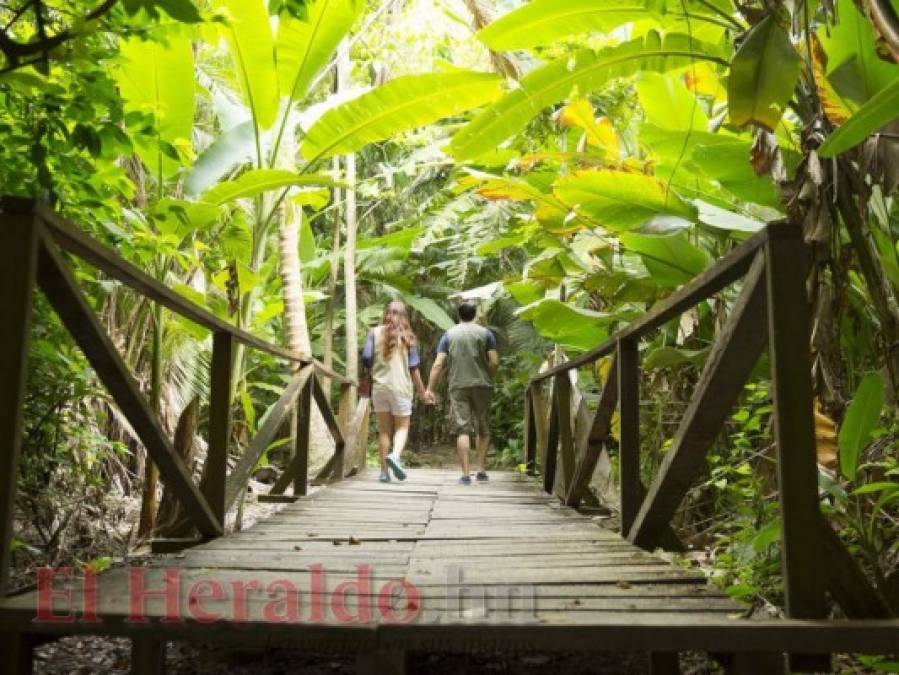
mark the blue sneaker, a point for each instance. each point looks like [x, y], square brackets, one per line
[385, 477]
[465, 480]
[394, 463]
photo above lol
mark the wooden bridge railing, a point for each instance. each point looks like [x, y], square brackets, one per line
[771, 310]
[31, 239]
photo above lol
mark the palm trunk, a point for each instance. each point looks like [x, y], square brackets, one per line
[331, 303]
[349, 255]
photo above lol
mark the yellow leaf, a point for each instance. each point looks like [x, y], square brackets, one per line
[836, 109]
[579, 113]
[825, 438]
[702, 79]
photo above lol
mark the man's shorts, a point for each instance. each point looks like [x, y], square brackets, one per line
[470, 410]
[384, 400]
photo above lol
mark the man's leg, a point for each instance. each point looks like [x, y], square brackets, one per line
[462, 447]
[483, 444]
[385, 435]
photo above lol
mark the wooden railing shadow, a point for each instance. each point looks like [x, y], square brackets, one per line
[771, 311]
[32, 238]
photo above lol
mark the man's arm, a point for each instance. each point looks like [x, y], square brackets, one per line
[436, 372]
[492, 354]
[493, 362]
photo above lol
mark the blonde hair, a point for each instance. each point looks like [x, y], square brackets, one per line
[397, 329]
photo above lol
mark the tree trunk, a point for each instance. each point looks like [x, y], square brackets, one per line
[151, 474]
[349, 255]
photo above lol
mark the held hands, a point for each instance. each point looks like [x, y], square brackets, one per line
[428, 397]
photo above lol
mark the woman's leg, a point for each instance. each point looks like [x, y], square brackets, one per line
[400, 434]
[385, 436]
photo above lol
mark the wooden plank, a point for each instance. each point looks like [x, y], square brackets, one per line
[16, 650]
[79, 319]
[70, 238]
[599, 433]
[794, 431]
[237, 481]
[147, 655]
[551, 448]
[566, 436]
[734, 353]
[324, 406]
[530, 434]
[19, 235]
[721, 273]
[629, 445]
[215, 470]
[297, 471]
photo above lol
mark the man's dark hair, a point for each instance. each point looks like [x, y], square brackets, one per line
[467, 311]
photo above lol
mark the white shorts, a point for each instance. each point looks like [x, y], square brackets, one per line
[385, 400]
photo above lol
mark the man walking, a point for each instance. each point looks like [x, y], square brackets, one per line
[473, 360]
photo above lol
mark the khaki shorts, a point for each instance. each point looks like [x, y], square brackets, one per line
[384, 400]
[470, 410]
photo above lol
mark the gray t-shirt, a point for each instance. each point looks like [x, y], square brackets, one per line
[466, 346]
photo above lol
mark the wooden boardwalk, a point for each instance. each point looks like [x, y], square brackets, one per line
[497, 565]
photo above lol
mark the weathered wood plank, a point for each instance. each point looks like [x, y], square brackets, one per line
[147, 655]
[530, 434]
[629, 445]
[599, 433]
[16, 653]
[297, 470]
[237, 481]
[847, 582]
[215, 470]
[551, 448]
[566, 436]
[794, 430]
[19, 236]
[70, 238]
[735, 351]
[79, 319]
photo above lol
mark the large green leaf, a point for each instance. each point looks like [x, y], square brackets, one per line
[404, 103]
[882, 109]
[763, 74]
[861, 419]
[257, 181]
[854, 67]
[158, 78]
[584, 71]
[545, 21]
[619, 200]
[671, 259]
[571, 327]
[249, 37]
[668, 104]
[431, 311]
[305, 46]
[231, 148]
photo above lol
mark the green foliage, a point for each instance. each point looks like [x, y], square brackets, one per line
[862, 417]
[763, 73]
[402, 104]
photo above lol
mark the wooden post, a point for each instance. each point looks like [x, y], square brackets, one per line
[629, 446]
[18, 271]
[566, 440]
[551, 449]
[664, 663]
[343, 407]
[147, 655]
[215, 474]
[301, 449]
[16, 653]
[794, 430]
[530, 434]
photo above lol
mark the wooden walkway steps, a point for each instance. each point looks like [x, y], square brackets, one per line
[492, 565]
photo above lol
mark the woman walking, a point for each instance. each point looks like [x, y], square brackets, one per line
[391, 354]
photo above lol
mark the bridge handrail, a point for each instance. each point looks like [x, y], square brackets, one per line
[771, 310]
[31, 238]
